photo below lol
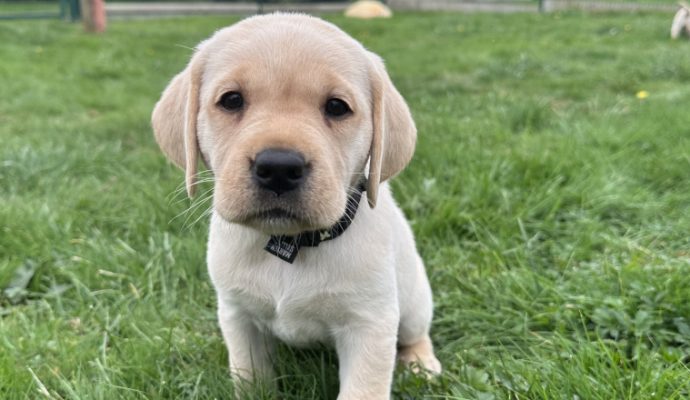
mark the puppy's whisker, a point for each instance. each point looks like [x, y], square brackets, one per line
[205, 180]
[184, 47]
[203, 200]
[175, 197]
[189, 223]
[203, 215]
[180, 193]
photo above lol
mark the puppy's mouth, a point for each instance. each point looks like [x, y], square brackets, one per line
[277, 221]
[274, 214]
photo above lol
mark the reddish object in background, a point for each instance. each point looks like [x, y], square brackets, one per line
[93, 15]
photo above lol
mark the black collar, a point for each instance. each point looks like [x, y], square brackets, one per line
[287, 247]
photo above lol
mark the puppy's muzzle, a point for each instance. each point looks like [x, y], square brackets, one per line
[279, 171]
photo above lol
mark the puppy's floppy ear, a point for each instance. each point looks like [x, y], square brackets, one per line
[174, 120]
[395, 134]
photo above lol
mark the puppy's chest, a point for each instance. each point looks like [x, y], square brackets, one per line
[298, 310]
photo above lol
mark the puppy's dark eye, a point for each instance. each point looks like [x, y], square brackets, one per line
[336, 108]
[231, 101]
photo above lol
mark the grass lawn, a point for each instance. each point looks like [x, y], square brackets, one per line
[14, 6]
[551, 204]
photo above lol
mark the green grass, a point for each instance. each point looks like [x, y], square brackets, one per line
[14, 8]
[551, 205]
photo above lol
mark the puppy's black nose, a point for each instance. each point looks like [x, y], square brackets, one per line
[279, 170]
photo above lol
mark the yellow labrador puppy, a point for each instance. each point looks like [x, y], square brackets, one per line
[297, 120]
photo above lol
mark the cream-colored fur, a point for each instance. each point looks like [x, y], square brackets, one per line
[365, 292]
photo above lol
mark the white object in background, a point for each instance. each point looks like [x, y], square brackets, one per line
[368, 9]
[681, 21]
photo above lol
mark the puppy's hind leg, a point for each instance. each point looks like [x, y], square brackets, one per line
[420, 354]
[414, 344]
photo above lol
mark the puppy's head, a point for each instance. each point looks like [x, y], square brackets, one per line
[290, 114]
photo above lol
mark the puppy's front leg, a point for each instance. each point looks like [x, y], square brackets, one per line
[249, 349]
[367, 360]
